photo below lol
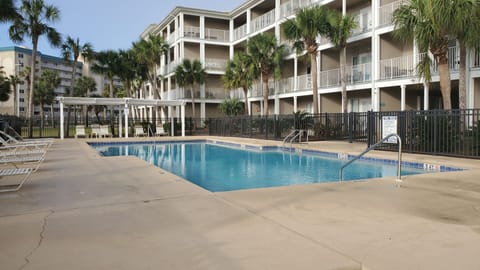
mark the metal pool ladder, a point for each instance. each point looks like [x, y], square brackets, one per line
[399, 164]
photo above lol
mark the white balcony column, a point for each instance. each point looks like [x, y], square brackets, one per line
[295, 104]
[231, 35]
[295, 73]
[425, 96]
[402, 97]
[344, 7]
[249, 105]
[468, 81]
[126, 112]
[120, 125]
[180, 25]
[169, 88]
[202, 27]
[61, 120]
[249, 18]
[203, 111]
[261, 108]
[375, 14]
[181, 51]
[278, 4]
[470, 93]
[376, 99]
[202, 54]
[319, 61]
[277, 105]
[183, 119]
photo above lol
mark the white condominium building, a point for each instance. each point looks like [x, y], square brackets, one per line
[381, 73]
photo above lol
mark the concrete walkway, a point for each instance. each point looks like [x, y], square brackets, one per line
[83, 211]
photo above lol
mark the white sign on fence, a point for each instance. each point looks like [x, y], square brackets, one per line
[389, 126]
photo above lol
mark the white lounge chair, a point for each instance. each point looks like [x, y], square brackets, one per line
[104, 131]
[80, 132]
[8, 173]
[139, 131]
[95, 130]
[7, 140]
[159, 131]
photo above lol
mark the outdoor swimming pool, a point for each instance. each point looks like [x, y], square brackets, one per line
[225, 167]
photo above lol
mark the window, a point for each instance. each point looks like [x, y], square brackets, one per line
[21, 91]
[22, 109]
[22, 100]
[20, 55]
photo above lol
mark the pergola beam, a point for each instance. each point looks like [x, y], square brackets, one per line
[123, 102]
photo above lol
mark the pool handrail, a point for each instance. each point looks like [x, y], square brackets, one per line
[399, 164]
[291, 134]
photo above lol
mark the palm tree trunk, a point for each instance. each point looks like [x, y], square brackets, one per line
[245, 92]
[72, 82]
[462, 87]
[313, 77]
[51, 115]
[445, 87]
[30, 92]
[265, 94]
[193, 107]
[343, 82]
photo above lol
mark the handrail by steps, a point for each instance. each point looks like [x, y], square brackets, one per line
[399, 164]
[293, 133]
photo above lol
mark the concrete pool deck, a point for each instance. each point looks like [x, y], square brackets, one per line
[83, 211]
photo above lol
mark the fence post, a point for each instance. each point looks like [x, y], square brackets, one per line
[370, 128]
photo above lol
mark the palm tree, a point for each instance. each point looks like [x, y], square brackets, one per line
[308, 24]
[340, 30]
[268, 56]
[71, 52]
[149, 52]
[44, 91]
[190, 73]
[240, 73]
[231, 107]
[466, 16]
[84, 86]
[34, 23]
[4, 87]
[8, 11]
[107, 63]
[428, 23]
[14, 81]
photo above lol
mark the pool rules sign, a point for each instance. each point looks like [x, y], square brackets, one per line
[389, 126]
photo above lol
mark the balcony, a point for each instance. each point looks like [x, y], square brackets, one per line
[364, 22]
[240, 32]
[217, 34]
[304, 82]
[285, 85]
[169, 68]
[386, 12]
[172, 37]
[330, 78]
[215, 64]
[405, 66]
[291, 7]
[191, 32]
[237, 93]
[359, 73]
[263, 21]
[215, 93]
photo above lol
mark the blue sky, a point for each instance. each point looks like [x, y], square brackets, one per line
[113, 24]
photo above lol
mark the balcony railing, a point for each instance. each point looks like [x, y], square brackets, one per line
[364, 22]
[291, 7]
[386, 12]
[263, 21]
[359, 73]
[172, 37]
[476, 59]
[237, 93]
[405, 66]
[330, 78]
[191, 32]
[217, 34]
[215, 93]
[304, 82]
[240, 32]
[215, 64]
[285, 85]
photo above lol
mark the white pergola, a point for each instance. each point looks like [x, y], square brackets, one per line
[119, 102]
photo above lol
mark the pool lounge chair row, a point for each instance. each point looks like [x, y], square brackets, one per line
[19, 159]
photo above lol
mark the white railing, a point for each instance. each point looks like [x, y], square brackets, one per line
[364, 22]
[330, 78]
[215, 93]
[359, 73]
[291, 7]
[304, 82]
[172, 37]
[217, 34]
[263, 21]
[405, 66]
[324, 40]
[215, 64]
[171, 67]
[398, 67]
[285, 85]
[191, 31]
[257, 89]
[476, 59]
[240, 32]
[386, 11]
[237, 93]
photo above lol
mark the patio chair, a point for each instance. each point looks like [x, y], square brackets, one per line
[80, 132]
[18, 138]
[6, 140]
[95, 130]
[19, 155]
[104, 131]
[139, 131]
[160, 131]
[7, 173]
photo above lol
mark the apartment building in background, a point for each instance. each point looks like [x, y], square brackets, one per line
[381, 73]
[14, 60]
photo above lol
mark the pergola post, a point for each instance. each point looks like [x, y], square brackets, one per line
[120, 123]
[126, 120]
[182, 112]
[61, 120]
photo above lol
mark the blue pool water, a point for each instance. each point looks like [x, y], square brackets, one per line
[221, 168]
